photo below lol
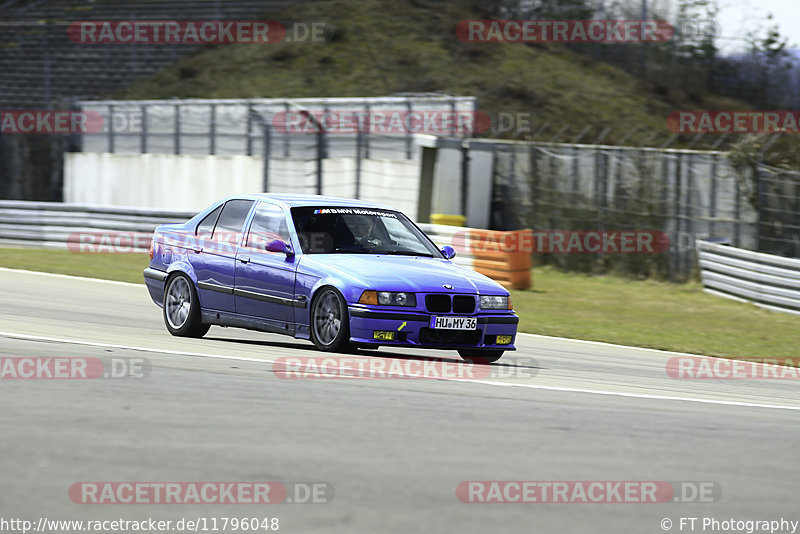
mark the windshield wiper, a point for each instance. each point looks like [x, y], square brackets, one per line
[353, 250]
[408, 253]
[384, 252]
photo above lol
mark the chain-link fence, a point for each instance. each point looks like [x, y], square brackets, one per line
[303, 128]
[688, 195]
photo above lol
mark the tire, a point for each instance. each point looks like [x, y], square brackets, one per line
[182, 308]
[330, 322]
[480, 356]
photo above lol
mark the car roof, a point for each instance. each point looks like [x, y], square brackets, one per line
[294, 201]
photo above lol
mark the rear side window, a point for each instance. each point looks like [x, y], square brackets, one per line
[206, 226]
[231, 220]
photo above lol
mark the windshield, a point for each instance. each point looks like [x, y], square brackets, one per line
[330, 230]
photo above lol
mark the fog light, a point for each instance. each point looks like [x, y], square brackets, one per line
[504, 340]
[383, 335]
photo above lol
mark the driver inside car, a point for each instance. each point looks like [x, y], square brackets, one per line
[363, 229]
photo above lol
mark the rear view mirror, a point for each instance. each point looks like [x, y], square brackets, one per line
[449, 252]
[280, 246]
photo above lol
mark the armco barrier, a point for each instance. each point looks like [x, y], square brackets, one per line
[53, 224]
[765, 280]
[50, 224]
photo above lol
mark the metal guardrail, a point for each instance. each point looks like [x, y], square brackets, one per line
[55, 225]
[81, 228]
[766, 280]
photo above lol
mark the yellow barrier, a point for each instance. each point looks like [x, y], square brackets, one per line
[448, 220]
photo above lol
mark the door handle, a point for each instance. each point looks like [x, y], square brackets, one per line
[198, 250]
[244, 259]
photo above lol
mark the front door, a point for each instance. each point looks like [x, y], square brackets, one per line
[265, 280]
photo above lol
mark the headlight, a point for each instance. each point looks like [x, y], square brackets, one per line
[388, 298]
[494, 302]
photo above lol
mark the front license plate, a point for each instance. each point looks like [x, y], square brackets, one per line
[454, 323]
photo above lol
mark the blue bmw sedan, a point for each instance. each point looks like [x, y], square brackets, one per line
[342, 273]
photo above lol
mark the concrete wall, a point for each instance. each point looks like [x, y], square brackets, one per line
[447, 191]
[187, 182]
[158, 180]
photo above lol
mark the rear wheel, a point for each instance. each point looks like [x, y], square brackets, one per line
[182, 308]
[480, 356]
[330, 322]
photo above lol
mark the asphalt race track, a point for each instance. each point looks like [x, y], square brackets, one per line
[392, 450]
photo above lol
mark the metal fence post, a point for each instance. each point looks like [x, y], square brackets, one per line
[212, 131]
[368, 132]
[688, 213]
[737, 209]
[267, 154]
[603, 204]
[143, 133]
[177, 128]
[320, 156]
[464, 178]
[575, 168]
[676, 210]
[359, 141]
[534, 186]
[286, 147]
[712, 208]
[409, 135]
[111, 128]
[758, 189]
[249, 140]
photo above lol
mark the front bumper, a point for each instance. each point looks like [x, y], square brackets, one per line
[412, 329]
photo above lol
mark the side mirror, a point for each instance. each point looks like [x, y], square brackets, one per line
[449, 252]
[280, 246]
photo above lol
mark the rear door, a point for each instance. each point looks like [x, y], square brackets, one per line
[265, 280]
[215, 256]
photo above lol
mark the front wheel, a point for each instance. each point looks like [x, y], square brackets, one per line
[480, 356]
[182, 308]
[330, 322]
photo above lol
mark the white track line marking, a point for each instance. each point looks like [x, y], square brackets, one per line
[28, 337]
[73, 277]
[603, 343]
[468, 380]
[616, 346]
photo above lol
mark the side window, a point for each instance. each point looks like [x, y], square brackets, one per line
[231, 220]
[269, 223]
[206, 226]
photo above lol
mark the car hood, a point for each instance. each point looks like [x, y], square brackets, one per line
[400, 273]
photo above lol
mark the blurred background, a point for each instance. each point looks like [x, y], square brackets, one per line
[578, 137]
